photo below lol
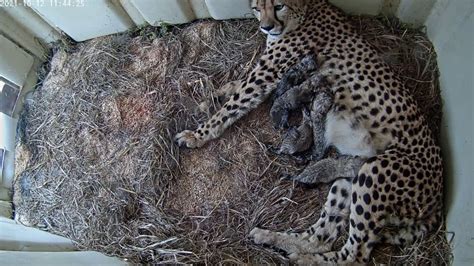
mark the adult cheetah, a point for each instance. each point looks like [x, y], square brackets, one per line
[372, 116]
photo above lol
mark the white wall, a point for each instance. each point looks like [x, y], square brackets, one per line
[371, 7]
[77, 258]
[415, 11]
[21, 245]
[82, 22]
[12, 29]
[451, 28]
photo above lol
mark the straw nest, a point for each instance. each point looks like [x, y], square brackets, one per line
[95, 160]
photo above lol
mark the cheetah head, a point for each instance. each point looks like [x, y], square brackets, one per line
[278, 17]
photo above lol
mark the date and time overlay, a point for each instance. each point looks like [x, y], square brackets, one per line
[43, 3]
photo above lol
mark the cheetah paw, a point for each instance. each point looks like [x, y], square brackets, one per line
[188, 139]
[261, 236]
[301, 259]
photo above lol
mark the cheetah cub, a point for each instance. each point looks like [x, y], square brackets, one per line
[373, 116]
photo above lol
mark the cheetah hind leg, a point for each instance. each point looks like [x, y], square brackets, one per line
[321, 236]
[356, 250]
[409, 233]
[287, 242]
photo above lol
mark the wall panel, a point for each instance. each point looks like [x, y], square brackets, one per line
[451, 26]
[94, 19]
[15, 63]
[156, 12]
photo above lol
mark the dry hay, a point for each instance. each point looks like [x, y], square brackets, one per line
[96, 163]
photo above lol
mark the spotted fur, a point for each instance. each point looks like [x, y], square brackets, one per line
[373, 116]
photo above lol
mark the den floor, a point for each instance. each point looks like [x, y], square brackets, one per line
[97, 164]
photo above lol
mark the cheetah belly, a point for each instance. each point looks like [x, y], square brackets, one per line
[347, 135]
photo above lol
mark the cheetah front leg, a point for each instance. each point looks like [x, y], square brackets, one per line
[221, 95]
[247, 96]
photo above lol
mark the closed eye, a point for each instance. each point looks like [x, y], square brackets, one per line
[279, 7]
[256, 9]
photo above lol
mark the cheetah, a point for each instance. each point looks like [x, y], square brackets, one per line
[373, 116]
